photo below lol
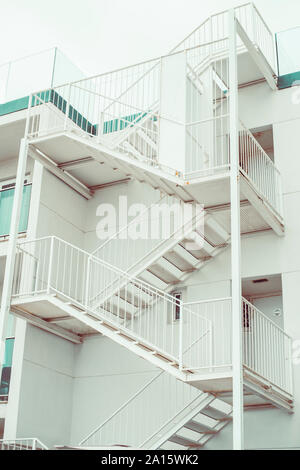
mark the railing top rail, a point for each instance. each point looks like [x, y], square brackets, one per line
[207, 21]
[221, 299]
[114, 100]
[156, 59]
[238, 7]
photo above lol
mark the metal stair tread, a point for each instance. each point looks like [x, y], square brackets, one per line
[185, 441]
[199, 427]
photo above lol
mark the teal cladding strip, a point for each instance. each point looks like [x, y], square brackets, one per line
[51, 96]
[286, 81]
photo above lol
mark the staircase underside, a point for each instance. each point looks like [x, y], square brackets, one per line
[97, 166]
[58, 315]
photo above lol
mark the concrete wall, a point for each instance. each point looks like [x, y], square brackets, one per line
[105, 376]
[61, 211]
[46, 388]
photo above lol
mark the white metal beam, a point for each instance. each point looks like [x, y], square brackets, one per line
[47, 326]
[257, 56]
[61, 174]
[237, 361]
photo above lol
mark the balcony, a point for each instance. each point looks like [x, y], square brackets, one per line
[19, 78]
[95, 297]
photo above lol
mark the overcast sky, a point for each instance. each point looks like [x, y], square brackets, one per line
[100, 35]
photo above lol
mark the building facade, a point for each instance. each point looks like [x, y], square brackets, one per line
[149, 231]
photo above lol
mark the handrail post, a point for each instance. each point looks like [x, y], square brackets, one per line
[28, 116]
[50, 265]
[87, 283]
[291, 375]
[180, 350]
[101, 127]
[210, 345]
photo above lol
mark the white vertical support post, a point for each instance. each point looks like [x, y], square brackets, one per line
[210, 346]
[101, 127]
[11, 251]
[180, 352]
[237, 349]
[50, 265]
[87, 283]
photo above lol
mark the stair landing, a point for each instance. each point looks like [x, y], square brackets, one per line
[58, 315]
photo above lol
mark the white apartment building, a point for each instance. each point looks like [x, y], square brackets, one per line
[185, 341]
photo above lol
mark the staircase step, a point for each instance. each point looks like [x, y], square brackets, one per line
[187, 256]
[169, 445]
[194, 425]
[170, 268]
[154, 280]
[187, 433]
[215, 232]
[218, 409]
[190, 443]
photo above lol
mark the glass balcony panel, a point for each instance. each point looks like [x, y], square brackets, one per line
[36, 72]
[288, 51]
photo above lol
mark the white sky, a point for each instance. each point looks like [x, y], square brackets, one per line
[101, 35]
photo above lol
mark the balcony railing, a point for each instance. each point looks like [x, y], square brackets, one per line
[216, 28]
[22, 444]
[267, 349]
[199, 341]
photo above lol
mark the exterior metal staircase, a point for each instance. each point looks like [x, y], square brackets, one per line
[184, 238]
[184, 419]
[122, 290]
[72, 293]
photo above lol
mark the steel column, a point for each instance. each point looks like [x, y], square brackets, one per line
[237, 351]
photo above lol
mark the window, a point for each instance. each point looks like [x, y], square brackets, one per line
[177, 305]
[246, 316]
[6, 203]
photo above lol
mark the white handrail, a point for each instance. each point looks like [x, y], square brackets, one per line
[51, 265]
